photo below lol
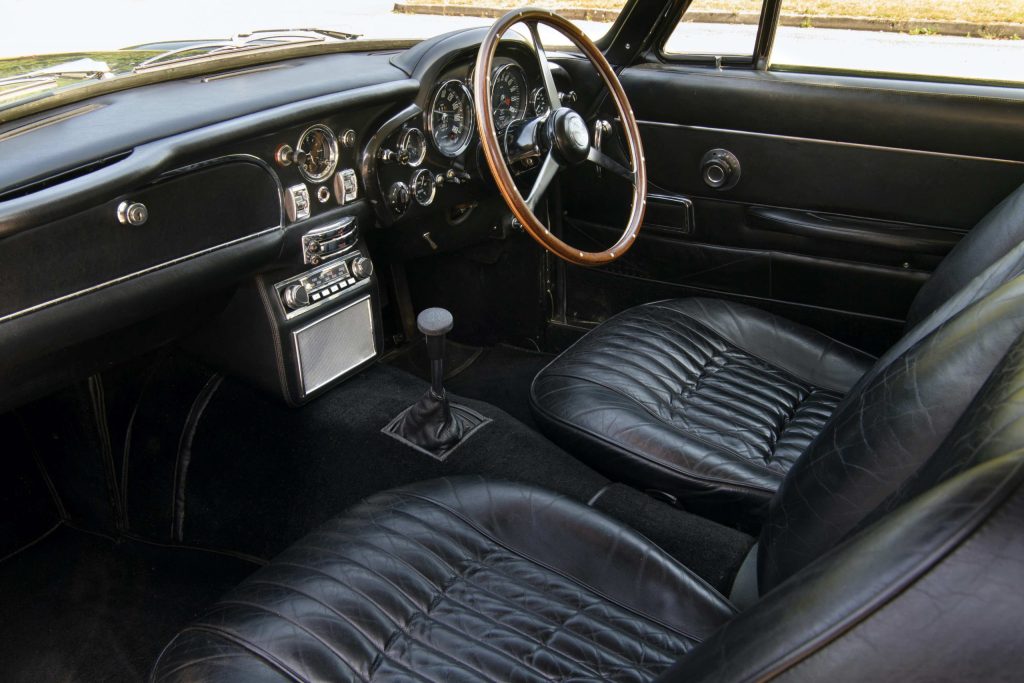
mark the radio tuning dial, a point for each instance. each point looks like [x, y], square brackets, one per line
[296, 296]
[362, 267]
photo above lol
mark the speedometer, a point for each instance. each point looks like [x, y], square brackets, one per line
[451, 118]
[508, 95]
[317, 153]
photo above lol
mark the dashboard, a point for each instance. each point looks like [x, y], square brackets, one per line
[269, 190]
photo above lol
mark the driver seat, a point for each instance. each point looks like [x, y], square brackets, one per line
[710, 402]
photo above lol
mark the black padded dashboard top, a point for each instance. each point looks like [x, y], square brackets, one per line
[121, 121]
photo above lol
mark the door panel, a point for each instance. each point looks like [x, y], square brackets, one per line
[851, 191]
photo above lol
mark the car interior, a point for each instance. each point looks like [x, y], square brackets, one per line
[483, 358]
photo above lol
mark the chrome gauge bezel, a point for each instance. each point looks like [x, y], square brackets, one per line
[526, 91]
[433, 187]
[403, 143]
[534, 94]
[332, 147]
[471, 126]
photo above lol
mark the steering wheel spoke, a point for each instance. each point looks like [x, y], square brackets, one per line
[563, 133]
[596, 156]
[545, 68]
[548, 170]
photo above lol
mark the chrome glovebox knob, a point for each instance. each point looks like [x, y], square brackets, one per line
[132, 213]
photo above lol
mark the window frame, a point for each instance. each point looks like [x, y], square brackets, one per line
[758, 59]
[764, 41]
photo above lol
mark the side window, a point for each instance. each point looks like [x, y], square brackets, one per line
[964, 40]
[716, 28]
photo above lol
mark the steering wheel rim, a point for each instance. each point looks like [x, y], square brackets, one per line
[560, 153]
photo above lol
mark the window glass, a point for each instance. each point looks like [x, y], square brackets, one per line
[959, 39]
[716, 27]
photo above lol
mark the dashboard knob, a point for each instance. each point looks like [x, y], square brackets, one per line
[362, 267]
[398, 197]
[388, 156]
[295, 296]
[348, 138]
[132, 213]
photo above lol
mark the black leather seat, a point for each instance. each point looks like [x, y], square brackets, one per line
[893, 550]
[711, 402]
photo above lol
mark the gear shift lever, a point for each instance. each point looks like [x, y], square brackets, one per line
[434, 324]
[433, 424]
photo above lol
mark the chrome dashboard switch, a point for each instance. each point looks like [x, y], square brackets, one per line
[296, 202]
[346, 189]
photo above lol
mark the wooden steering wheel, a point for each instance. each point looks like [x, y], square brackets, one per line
[560, 137]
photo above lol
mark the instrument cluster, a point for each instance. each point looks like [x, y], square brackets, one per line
[429, 155]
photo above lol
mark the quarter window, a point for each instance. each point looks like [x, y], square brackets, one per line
[716, 28]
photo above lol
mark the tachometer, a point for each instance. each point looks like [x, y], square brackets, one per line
[508, 95]
[451, 118]
[317, 153]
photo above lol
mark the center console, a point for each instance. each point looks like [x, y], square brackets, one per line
[309, 323]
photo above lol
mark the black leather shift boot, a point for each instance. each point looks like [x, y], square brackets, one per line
[435, 426]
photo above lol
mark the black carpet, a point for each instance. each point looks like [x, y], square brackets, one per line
[500, 375]
[262, 475]
[81, 607]
[709, 549]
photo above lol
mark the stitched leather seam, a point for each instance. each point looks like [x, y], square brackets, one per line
[312, 634]
[397, 630]
[562, 625]
[451, 568]
[715, 446]
[753, 354]
[238, 654]
[533, 639]
[249, 647]
[611, 445]
[967, 527]
[499, 543]
[483, 532]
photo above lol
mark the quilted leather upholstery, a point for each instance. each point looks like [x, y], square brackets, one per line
[455, 580]
[713, 402]
[692, 397]
[468, 580]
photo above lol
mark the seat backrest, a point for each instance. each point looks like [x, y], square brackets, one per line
[889, 425]
[997, 233]
[930, 586]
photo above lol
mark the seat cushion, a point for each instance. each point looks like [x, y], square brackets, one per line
[456, 579]
[707, 400]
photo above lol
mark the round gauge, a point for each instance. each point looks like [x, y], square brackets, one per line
[508, 95]
[317, 153]
[539, 100]
[451, 118]
[413, 146]
[423, 187]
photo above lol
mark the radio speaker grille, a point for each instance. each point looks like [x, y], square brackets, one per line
[331, 346]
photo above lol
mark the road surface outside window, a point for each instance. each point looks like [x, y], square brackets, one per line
[960, 39]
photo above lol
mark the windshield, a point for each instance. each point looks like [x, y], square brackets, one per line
[61, 44]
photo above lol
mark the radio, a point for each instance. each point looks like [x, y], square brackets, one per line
[308, 290]
[329, 241]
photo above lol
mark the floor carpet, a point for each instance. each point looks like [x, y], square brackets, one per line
[82, 607]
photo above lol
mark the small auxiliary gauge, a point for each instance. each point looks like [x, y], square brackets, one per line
[413, 147]
[423, 187]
